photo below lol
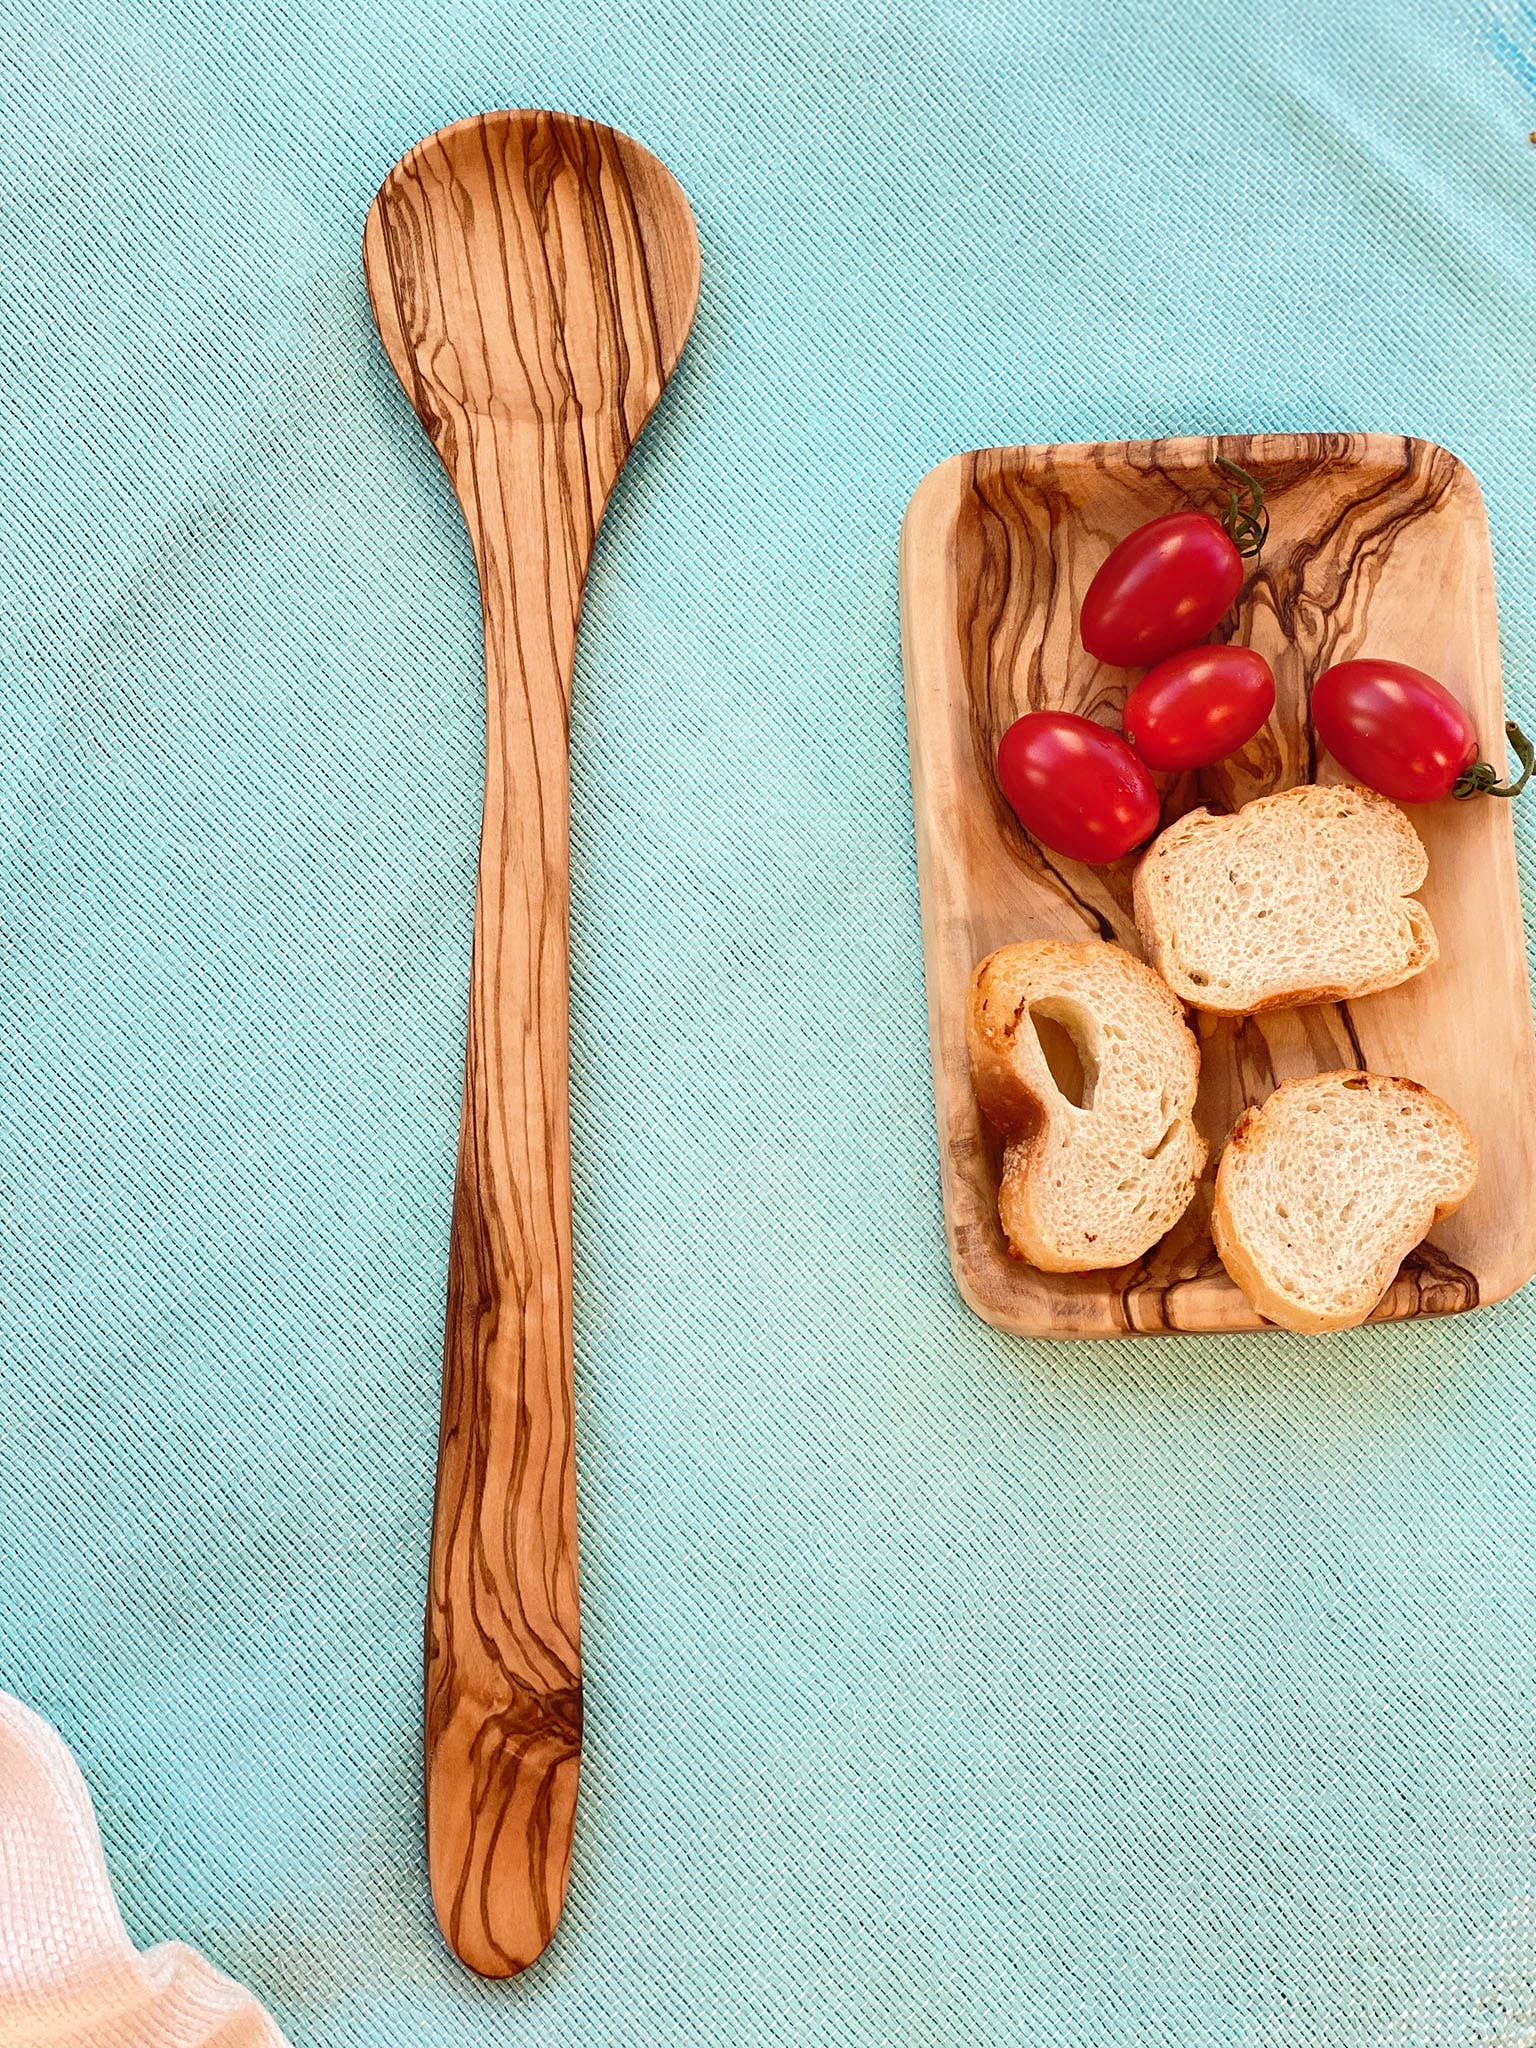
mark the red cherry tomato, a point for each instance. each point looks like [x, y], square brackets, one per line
[1076, 786]
[1162, 588]
[1393, 728]
[1199, 706]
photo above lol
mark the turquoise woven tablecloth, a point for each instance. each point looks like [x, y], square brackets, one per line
[942, 1689]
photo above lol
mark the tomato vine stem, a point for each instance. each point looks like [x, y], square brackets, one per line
[1482, 778]
[1246, 518]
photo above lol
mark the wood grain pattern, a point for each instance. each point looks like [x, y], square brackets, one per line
[1377, 545]
[534, 277]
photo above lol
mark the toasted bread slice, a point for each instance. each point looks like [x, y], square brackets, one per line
[1322, 1192]
[1085, 1062]
[1302, 897]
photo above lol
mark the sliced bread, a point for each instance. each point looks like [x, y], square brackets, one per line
[1084, 1061]
[1322, 1191]
[1302, 897]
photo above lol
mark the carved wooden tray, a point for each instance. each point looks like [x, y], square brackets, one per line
[1377, 545]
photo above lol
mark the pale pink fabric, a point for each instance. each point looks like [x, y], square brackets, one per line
[69, 1975]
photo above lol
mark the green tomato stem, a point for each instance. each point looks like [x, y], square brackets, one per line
[1246, 519]
[1482, 778]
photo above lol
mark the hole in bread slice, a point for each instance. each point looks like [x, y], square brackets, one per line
[1061, 1029]
[1160, 1145]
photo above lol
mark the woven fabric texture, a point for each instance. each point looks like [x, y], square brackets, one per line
[943, 1690]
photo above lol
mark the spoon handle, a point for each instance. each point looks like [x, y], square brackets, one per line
[503, 1723]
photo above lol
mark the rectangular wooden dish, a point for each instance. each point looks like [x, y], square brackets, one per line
[1377, 545]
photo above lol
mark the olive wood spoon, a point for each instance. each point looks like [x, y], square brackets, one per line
[533, 277]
